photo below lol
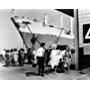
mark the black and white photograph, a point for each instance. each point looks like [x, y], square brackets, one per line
[45, 44]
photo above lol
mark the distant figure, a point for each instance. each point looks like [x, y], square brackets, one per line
[21, 57]
[35, 19]
[40, 56]
[67, 60]
[12, 58]
[29, 55]
[47, 55]
[15, 55]
[45, 20]
[7, 62]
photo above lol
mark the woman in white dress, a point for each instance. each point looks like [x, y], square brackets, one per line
[15, 55]
[55, 57]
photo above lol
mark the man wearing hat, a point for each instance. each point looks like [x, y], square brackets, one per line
[40, 57]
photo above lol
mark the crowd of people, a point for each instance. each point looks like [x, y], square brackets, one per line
[14, 57]
[55, 58]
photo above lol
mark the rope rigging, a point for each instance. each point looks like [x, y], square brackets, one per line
[33, 39]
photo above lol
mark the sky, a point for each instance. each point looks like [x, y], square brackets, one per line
[8, 33]
[9, 36]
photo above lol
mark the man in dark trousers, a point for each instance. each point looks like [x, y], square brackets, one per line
[29, 56]
[40, 56]
[21, 57]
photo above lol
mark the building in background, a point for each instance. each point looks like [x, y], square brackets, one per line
[84, 37]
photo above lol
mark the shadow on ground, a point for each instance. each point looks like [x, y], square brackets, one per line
[47, 71]
[31, 73]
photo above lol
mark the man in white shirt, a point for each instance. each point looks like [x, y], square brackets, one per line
[40, 57]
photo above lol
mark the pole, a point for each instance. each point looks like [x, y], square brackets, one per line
[32, 34]
[76, 30]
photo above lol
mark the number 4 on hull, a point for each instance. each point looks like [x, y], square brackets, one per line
[88, 34]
